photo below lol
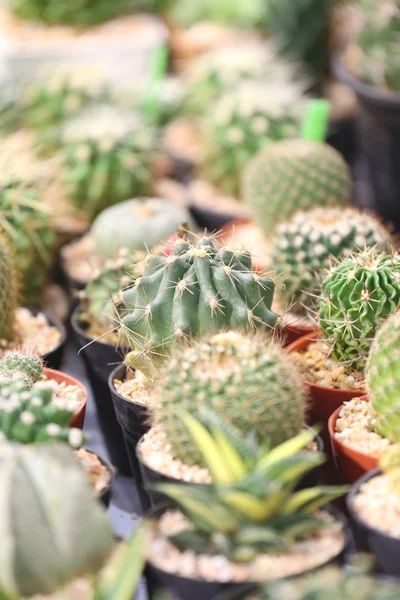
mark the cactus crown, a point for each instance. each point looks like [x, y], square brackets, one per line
[196, 290]
[382, 380]
[246, 378]
[304, 246]
[31, 414]
[21, 364]
[107, 156]
[357, 295]
[222, 515]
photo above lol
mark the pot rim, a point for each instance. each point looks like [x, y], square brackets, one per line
[71, 380]
[355, 488]
[113, 390]
[312, 338]
[76, 326]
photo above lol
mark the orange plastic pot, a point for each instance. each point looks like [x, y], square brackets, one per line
[292, 332]
[79, 417]
[353, 464]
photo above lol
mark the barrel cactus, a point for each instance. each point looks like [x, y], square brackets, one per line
[357, 295]
[21, 364]
[195, 290]
[55, 529]
[8, 291]
[243, 122]
[246, 378]
[137, 224]
[303, 248]
[107, 155]
[294, 175]
[382, 378]
[83, 14]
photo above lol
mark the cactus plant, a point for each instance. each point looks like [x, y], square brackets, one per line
[8, 291]
[382, 380]
[228, 12]
[83, 14]
[303, 248]
[137, 224]
[55, 529]
[239, 516]
[243, 122]
[357, 295]
[247, 379]
[21, 364]
[195, 290]
[107, 156]
[294, 175]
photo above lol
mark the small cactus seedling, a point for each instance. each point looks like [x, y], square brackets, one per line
[382, 379]
[247, 379]
[107, 157]
[304, 246]
[357, 295]
[8, 291]
[196, 290]
[24, 365]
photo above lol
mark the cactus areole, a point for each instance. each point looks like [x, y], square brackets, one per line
[196, 290]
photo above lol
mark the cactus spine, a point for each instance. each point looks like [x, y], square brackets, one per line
[23, 365]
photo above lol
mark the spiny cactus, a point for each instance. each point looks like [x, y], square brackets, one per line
[195, 290]
[8, 291]
[303, 248]
[21, 364]
[382, 379]
[56, 530]
[294, 175]
[137, 224]
[107, 158]
[84, 14]
[247, 379]
[31, 414]
[243, 122]
[389, 461]
[357, 295]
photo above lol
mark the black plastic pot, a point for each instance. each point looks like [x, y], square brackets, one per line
[105, 495]
[342, 136]
[151, 477]
[385, 548]
[53, 358]
[379, 138]
[100, 360]
[195, 589]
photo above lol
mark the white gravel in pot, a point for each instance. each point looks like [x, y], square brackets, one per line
[379, 506]
[34, 333]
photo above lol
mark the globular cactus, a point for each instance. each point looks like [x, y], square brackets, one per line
[247, 379]
[8, 291]
[294, 175]
[84, 14]
[21, 364]
[244, 121]
[137, 224]
[382, 379]
[389, 461]
[31, 414]
[304, 246]
[107, 157]
[357, 295]
[56, 530]
[195, 290]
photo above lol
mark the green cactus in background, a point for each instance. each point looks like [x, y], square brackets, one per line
[107, 156]
[247, 379]
[304, 246]
[137, 224]
[85, 13]
[21, 364]
[294, 175]
[243, 122]
[56, 530]
[382, 380]
[194, 291]
[30, 414]
[226, 12]
[8, 291]
[357, 295]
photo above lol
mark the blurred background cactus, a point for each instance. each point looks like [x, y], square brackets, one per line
[23, 365]
[82, 14]
[225, 12]
[8, 291]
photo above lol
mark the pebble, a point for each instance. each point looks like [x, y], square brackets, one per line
[34, 333]
[97, 472]
[379, 506]
[355, 428]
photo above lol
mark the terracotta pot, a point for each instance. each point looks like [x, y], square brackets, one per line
[354, 464]
[323, 401]
[79, 417]
[294, 331]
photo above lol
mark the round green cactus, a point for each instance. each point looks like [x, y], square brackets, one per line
[56, 530]
[79, 14]
[357, 295]
[243, 122]
[294, 175]
[194, 291]
[304, 246]
[382, 380]
[21, 364]
[248, 379]
[107, 156]
[137, 224]
[8, 291]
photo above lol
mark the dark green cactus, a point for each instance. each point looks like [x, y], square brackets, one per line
[21, 364]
